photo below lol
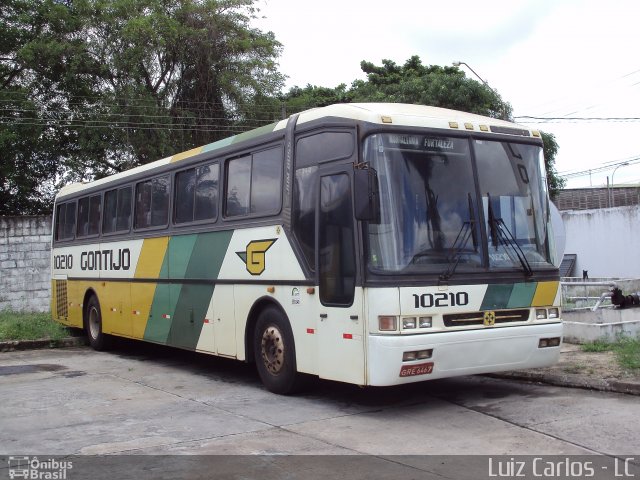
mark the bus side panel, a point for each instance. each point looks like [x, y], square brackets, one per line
[115, 305]
[151, 266]
[179, 308]
[197, 258]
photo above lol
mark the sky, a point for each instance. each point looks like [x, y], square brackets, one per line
[561, 59]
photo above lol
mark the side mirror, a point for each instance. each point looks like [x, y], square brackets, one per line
[367, 197]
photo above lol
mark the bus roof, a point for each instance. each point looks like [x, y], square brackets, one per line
[382, 113]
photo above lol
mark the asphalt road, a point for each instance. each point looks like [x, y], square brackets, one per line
[145, 399]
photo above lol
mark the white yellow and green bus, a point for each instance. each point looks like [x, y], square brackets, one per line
[374, 244]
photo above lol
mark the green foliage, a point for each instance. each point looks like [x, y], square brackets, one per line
[413, 82]
[628, 353]
[30, 326]
[111, 84]
[597, 346]
[550, 149]
[626, 349]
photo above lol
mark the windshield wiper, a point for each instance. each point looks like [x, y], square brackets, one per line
[467, 230]
[501, 234]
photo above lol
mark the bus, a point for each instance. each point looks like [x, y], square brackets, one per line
[374, 244]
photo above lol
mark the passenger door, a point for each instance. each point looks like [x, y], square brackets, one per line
[341, 322]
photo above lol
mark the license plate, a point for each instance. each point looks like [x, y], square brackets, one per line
[419, 369]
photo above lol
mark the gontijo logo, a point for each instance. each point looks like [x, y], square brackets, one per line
[254, 256]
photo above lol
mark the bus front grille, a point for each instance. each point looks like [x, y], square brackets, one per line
[477, 318]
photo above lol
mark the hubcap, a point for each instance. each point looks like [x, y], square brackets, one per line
[272, 350]
[94, 323]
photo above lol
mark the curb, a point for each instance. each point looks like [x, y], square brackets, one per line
[14, 345]
[571, 381]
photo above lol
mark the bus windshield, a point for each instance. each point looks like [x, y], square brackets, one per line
[432, 217]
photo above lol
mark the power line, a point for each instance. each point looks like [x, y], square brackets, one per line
[602, 168]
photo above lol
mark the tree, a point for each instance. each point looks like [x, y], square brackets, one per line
[413, 82]
[550, 150]
[119, 83]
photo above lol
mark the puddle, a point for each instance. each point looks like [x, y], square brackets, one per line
[72, 373]
[35, 368]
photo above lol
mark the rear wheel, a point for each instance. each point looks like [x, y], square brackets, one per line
[275, 353]
[93, 325]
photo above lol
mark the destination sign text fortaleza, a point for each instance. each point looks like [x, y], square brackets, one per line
[101, 260]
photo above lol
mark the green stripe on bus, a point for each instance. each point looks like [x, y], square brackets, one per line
[166, 296]
[496, 297]
[206, 259]
[522, 295]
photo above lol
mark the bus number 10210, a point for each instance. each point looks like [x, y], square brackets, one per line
[427, 300]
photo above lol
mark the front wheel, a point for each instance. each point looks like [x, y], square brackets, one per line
[275, 353]
[93, 325]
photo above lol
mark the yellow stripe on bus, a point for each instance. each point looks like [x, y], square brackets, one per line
[151, 257]
[189, 153]
[149, 266]
[545, 294]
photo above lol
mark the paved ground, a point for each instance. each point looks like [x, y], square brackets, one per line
[147, 399]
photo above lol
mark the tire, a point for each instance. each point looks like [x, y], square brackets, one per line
[93, 325]
[275, 353]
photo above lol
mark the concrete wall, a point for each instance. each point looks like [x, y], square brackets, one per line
[607, 241]
[25, 246]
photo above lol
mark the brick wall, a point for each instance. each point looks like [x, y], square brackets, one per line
[25, 246]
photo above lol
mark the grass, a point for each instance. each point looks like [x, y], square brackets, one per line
[627, 351]
[597, 346]
[29, 326]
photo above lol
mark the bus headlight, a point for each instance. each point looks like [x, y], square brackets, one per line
[387, 323]
[408, 323]
[541, 314]
[425, 322]
[554, 313]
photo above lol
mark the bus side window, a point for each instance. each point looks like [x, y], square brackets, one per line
[305, 194]
[336, 248]
[61, 213]
[152, 202]
[95, 204]
[196, 194]
[123, 219]
[110, 211]
[117, 210]
[83, 217]
[254, 183]
[70, 221]
[238, 186]
[312, 150]
[266, 181]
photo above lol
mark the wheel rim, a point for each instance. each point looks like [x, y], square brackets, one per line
[94, 322]
[272, 350]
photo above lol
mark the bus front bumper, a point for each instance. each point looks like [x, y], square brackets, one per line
[458, 353]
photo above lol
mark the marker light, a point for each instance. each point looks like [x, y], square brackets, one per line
[408, 356]
[387, 323]
[417, 355]
[549, 342]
